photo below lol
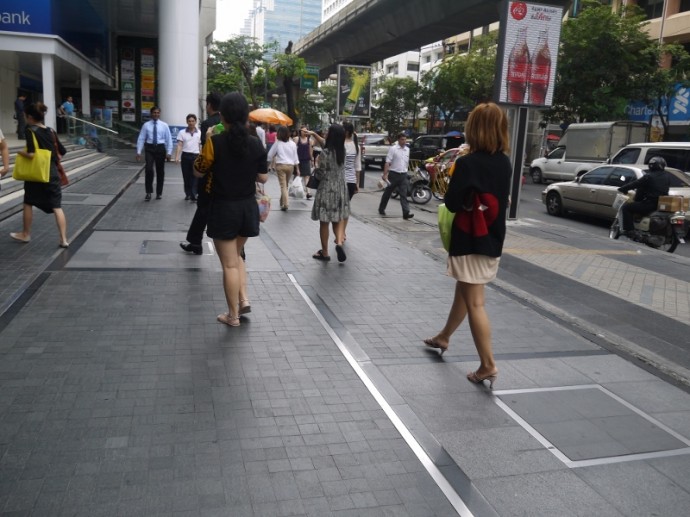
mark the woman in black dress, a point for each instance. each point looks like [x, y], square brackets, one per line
[44, 196]
[233, 161]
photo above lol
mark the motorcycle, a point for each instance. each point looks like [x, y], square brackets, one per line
[417, 187]
[660, 230]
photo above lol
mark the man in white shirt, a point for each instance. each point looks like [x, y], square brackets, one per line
[397, 164]
[261, 133]
[156, 140]
[188, 147]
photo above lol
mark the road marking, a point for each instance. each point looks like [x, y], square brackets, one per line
[569, 251]
[453, 497]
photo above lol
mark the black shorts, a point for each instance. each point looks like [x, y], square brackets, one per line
[228, 220]
[351, 189]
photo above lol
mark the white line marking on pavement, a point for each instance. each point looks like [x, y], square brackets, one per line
[453, 497]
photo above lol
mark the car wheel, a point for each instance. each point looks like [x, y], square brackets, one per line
[536, 175]
[554, 204]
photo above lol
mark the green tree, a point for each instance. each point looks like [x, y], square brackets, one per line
[315, 103]
[289, 66]
[464, 80]
[398, 101]
[231, 65]
[605, 59]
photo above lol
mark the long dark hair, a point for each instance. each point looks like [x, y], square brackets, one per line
[335, 141]
[235, 111]
[350, 131]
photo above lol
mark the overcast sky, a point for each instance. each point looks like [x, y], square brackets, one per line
[230, 15]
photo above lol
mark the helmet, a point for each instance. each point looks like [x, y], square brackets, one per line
[657, 163]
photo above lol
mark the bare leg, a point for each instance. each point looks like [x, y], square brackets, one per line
[339, 231]
[456, 316]
[229, 256]
[480, 326]
[244, 295]
[27, 220]
[323, 234]
[61, 224]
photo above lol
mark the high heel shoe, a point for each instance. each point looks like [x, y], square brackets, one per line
[431, 343]
[245, 307]
[473, 377]
[230, 321]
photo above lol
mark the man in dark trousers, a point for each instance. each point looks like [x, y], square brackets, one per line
[156, 140]
[195, 234]
[647, 191]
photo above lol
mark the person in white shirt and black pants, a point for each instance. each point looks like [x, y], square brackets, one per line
[156, 140]
[188, 147]
[397, 164]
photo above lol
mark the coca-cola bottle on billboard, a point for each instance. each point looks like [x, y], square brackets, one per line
[540, 72]
[518, 69]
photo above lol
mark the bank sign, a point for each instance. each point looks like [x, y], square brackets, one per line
[26, 16]
[679, 109]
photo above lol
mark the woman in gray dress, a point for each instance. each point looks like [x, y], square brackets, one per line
[331, 203]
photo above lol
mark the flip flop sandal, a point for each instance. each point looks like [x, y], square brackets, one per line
[341, 253]
[320, 256]
[229, 320]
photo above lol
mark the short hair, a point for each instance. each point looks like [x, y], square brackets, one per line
[191, 115]
[400, 135]
[283, 133]
[154, 108]
[213, 100]
[487, 129]
[36, 110]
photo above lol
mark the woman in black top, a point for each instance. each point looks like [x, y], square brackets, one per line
[233, 162]
[44, 196]
[478, 193]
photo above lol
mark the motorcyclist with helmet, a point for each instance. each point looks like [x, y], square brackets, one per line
[648, 188]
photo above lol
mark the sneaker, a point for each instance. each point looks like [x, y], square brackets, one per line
[148, 197]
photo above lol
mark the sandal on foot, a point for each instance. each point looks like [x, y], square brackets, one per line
[340, 252]
[432, 343]
[64, 244]
[18, 237]
[473, 377]
[245, 307]
[320, 256]
[229, 320]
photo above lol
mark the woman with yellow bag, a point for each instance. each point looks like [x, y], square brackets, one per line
[46, 196]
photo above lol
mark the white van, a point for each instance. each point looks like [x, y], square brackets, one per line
[676, 154]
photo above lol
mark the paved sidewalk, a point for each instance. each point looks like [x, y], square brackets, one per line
[121, 395]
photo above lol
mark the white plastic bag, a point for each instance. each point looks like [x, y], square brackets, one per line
[296, 189]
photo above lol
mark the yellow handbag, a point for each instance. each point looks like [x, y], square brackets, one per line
[36, 169]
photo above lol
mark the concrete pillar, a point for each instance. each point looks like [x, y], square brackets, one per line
[49, 98]
[85, 94]
[178, 69]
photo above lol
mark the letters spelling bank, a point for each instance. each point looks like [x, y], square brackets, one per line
[33, 16]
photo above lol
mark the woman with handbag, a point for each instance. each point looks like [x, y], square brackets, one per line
[44, 196]
[478, 193]
[331, 202]
[233, 161]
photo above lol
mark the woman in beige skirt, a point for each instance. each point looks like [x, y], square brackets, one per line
[478, 194]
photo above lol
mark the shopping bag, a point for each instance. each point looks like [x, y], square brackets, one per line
[36, 169]
[263, 201]
[445, 225]
[296, 189]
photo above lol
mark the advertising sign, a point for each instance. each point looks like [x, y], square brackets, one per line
[35, 16]
[310, 79]
[527, 53]
[148, 82]
[679, 114]
[127, 95]
[354, 91]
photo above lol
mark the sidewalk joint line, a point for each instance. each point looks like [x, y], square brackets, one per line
[450, 493]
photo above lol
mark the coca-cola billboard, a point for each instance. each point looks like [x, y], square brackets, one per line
[528, 50]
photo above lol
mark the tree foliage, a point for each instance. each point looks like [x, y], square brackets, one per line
[605, 59]
[464, 80]
[398, 101]
[231, 65]
[289, 66]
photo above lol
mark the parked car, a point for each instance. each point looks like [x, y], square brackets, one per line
[373, 148]
[676, 154]
[554, 166]
[426, 146]
[592, 193]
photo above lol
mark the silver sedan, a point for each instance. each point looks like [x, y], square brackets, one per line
[593, 192]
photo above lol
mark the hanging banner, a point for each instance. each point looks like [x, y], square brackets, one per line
[127, 97]
[354, 91]
[148, 82]
[528, 53]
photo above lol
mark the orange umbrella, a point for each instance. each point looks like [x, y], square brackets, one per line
[270, 116]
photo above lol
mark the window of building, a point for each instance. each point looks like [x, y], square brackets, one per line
[684, 6]
[652, 8]
[413, 67]
[427, 59]
[450, 48]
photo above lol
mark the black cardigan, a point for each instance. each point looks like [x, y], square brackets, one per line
[478, 194]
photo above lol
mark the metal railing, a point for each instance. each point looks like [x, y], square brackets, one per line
[95, 136]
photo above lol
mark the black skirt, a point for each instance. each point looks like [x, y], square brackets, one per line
[228, 220]
[44, 196]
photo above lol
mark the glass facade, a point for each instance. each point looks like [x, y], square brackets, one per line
[290, 21]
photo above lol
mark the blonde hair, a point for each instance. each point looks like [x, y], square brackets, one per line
[487, 129]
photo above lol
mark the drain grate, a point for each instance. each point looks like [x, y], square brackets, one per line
[589, 425]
